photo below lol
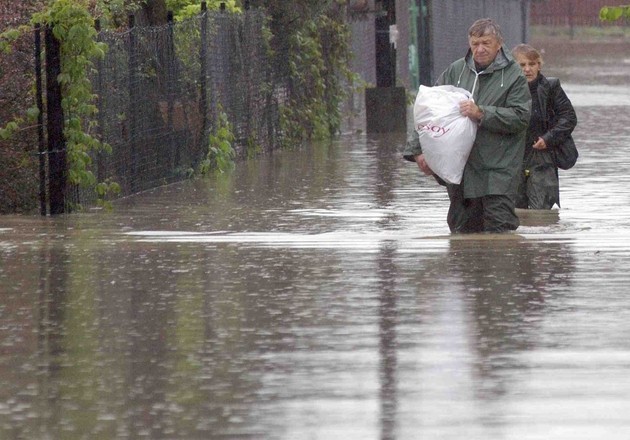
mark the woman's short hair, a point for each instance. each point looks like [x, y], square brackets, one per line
[529, 52]
[485, 26]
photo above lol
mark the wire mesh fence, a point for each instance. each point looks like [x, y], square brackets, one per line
[160, 93]
[161, 90]
[18, 159]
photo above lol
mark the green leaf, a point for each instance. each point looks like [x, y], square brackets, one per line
[615, 13]
[611, 13]
[32, 113]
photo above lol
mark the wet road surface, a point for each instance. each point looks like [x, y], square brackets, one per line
[317, 294]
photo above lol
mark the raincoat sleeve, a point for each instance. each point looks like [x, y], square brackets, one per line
[513, 116]
[413, 147]
[562, 114]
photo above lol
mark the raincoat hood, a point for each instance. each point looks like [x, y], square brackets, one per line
[500, 62]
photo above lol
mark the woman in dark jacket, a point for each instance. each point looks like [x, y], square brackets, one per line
[553, 119]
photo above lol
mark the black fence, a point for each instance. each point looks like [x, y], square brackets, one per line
[161, 90]
[19, 178]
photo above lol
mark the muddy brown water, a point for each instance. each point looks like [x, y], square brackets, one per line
[317, 294]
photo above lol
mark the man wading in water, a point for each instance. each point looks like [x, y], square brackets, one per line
[501, 104]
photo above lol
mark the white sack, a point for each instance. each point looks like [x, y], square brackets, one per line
[446, 136]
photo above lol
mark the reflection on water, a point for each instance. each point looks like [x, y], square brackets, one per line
[317, 293]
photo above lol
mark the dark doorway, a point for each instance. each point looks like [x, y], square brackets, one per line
[385, 51]
[425, 62]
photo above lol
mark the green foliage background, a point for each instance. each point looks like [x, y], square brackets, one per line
[614, 13]
[318, 71]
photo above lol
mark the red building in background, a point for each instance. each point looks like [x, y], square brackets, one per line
[570, 12]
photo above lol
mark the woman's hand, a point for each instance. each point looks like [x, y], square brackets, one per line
[540, 144]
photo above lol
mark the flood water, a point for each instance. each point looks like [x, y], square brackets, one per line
[318, 294]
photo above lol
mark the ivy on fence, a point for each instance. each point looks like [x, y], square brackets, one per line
[306, 96]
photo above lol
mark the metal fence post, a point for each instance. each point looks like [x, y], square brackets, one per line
[57, 164]
[100, 166]
[133, 101]
[203, 77]
[40, 120]
[173, 150]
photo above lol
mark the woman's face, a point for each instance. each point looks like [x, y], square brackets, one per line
[530, 67]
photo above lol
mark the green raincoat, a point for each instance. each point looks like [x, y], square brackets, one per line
[502, 93]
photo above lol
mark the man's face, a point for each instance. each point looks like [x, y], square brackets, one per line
[484, 49]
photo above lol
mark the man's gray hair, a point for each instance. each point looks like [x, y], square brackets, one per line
[485, 26]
